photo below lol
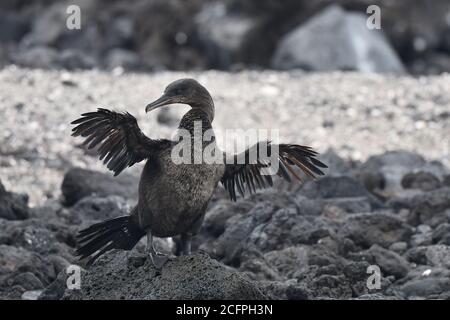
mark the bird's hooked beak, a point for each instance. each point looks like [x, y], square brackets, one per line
[162, 101]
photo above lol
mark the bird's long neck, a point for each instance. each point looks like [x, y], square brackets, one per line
[199, 119]
[195, 134]
[195, 130]
[194, 119]
[205, 103]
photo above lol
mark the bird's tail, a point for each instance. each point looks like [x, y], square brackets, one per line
[117, 233]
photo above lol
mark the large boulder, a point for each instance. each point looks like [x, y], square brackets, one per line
[12, 26]
[425, 181]
[394, 171]
[114, 276]
[441, 235]
[367, 229]
[13, 206]
[331, 187]
[336, 165]
[432, 208]
[431, 287]
[99, 209]
[336, 40]
[425, 281]
[79, 183]
[224, 35]
[390, 262]
[438, 256]
[48, 27]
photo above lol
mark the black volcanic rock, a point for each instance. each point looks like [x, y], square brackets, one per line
[114, 276]
[79, 183]
[426, 207]
[390, 262]
[425, 181]
[310, 241]
[338, 187]
[306, 46]
[367, 229]
[94, 208]
[13, 206]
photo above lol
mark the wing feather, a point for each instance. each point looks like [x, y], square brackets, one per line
[118, 137]
[249, 176]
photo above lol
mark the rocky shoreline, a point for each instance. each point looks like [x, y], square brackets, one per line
[375, 206]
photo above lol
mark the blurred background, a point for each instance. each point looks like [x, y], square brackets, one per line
[148, 35]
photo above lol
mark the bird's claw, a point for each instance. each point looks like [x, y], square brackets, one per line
[158, 259]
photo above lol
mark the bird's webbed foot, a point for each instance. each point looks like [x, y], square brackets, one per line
[158, 259]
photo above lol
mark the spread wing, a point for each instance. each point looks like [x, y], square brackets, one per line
[120, 141]
[248, 170]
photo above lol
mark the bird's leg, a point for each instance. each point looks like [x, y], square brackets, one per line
[158, 259]
[186, 240]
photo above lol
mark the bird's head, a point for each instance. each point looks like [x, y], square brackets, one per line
[185, 91]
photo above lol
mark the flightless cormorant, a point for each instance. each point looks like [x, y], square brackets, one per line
[173, 196]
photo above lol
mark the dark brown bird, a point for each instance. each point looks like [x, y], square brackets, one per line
[173, 196]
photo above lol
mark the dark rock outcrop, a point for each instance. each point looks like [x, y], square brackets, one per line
[420, 180]
[331, 187]
[319, 240]
[336, 40]
[94, 208]
[190, 277]
[79, 183]
[367, 229]
[13, 206]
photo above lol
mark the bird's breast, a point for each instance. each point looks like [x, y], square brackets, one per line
[176, 195]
